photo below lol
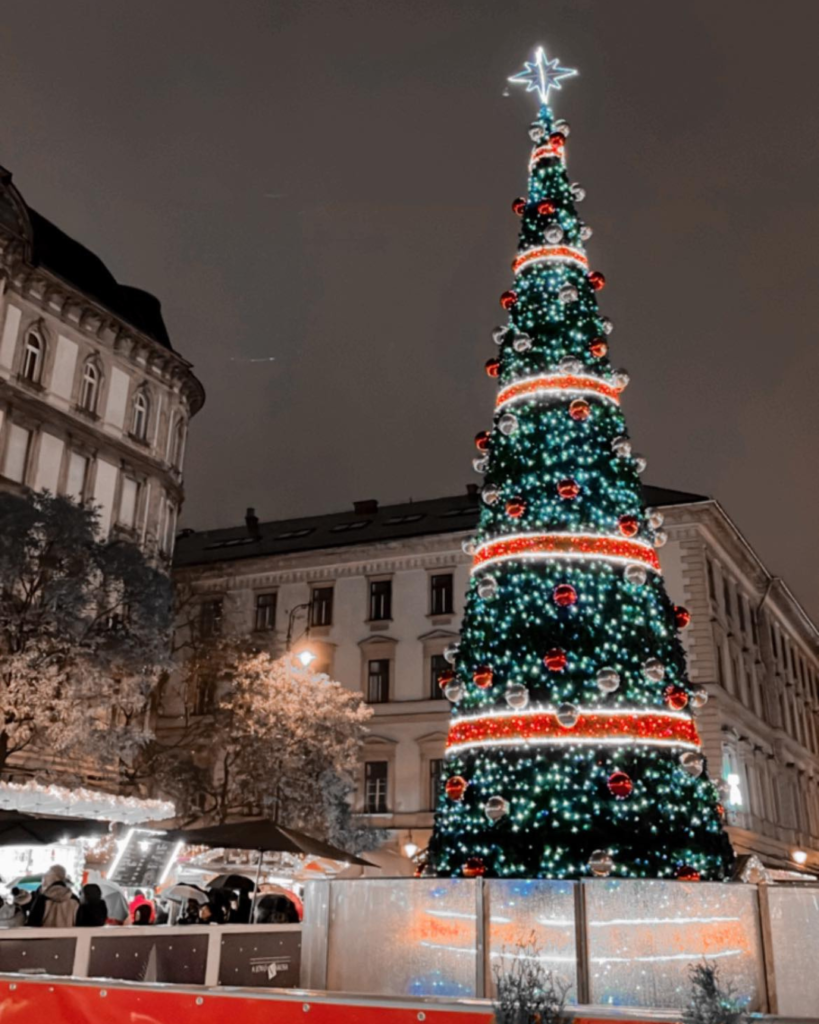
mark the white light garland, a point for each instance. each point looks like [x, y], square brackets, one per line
[482, 560]
[557, 384]
[33, 798]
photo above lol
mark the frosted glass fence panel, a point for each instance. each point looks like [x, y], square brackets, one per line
[403, 936]
[644, 935]
[543, 911]
[794, 921]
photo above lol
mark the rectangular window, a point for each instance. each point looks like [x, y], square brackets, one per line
[19, 442]
[437, 665]
[726, 595]
[741, 611]
[380, 600]
[375, 786]
[441, 594]
[321, 606]
[128, 502]
[754, 634]
[210, 617]
[76, 476]
[709, 571]
[436, 769]
[265, 612]
[205, 695]
[378, 681]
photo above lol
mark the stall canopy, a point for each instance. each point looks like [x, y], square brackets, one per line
[17, 829]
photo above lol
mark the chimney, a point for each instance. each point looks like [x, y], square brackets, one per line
[252, 524]
[368, 507]
[472, 490]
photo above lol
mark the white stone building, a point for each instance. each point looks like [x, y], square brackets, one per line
[94, 402]
[382, 590]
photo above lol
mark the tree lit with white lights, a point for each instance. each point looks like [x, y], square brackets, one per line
[573, 747]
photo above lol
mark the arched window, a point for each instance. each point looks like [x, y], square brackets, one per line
[178, 445]
[90, 389]
[142, 408]
[32, 358]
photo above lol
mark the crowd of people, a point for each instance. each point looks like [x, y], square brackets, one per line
[55, 905]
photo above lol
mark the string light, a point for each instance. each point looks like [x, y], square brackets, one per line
[557, 384]
[544, 546]
[549, 254]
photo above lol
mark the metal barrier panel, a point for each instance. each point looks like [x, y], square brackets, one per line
[53, 954]
[314, 935]
[644, 935]
[542, 912]
[149, 955]
[403, 936]
[794, 941]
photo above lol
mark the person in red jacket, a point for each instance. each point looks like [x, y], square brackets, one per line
[140, 900]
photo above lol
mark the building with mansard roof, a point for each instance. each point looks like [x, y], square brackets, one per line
[94, 401]
[376, 594]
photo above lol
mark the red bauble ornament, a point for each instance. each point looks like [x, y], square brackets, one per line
[557, 141]
[446, 677]
[482, 440]
[580, 409]
[597, 280]
[455, 787]
[545, 209]
[675, 697]
[620, 785]
[518, 206]
[568, 488]
[482, 676]
[598, 348]
[474, 867]
[555, 660]
[564, 595]
[688, 874]
[492, 367]
[515, 507]
[682, 616]
[629, 525]
[509, 299]
[720, 810]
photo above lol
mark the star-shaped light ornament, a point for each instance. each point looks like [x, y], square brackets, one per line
[541, 75]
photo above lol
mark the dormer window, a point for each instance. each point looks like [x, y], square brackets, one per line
[32, 367]
[142, 408]
[90, 388]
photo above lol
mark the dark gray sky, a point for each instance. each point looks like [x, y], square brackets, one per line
[328, 183]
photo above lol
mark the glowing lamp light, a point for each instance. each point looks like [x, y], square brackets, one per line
[410, 849]
[799, 856]
[306, 658]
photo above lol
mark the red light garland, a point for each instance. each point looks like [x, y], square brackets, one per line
[565, 545]
[542, 728]
[556, 383]
[550, 254]
[544, 152]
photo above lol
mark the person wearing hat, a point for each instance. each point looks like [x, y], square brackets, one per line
[14, 914]
[54, 905]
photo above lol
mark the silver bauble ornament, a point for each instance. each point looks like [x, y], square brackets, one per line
[454, 691]
[481, 464]
[606, 324]
[692, 762]
[655, 518]
[490, 494]
[607, 679]
[585, 233]
[567, 714]
[601, 863]
[660, 538]
[496, 808]
[468, 546]
[640, 463]
[517, 696]
[653, 669]
[553, 234]
[620, 379]
[568, 293]
[522, 342]
[578, 192]
[487, 587]
[536, 131]
[451, 653]
[697, 695]
[561, 126]
[570, 364]
[621, 446]
[636, 575]
[508, 423]
[499, 334]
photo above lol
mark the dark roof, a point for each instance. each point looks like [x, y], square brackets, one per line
[78, 266]
[367, 524]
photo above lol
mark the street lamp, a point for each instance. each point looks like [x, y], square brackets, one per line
[799, 856]
[305, 657]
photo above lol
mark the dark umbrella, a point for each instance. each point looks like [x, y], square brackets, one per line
[266, 837]
[18, 829]
[238, 883]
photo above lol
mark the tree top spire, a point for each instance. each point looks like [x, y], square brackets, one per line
[541, 75]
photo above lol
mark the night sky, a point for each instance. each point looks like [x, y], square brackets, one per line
[328, 183]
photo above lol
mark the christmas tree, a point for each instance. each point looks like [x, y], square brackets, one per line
[573, 748]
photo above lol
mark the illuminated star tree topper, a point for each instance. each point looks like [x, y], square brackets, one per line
[542, 74]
